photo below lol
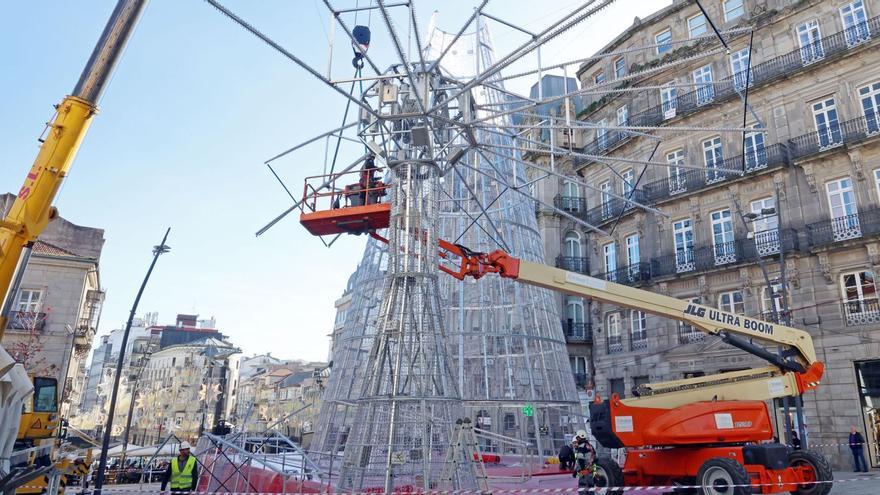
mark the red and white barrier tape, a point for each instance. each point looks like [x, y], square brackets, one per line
[573, 489]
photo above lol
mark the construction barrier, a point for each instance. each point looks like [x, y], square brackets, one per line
[572, 489]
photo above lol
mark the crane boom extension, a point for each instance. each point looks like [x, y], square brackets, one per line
[32, 209]
[790, 375]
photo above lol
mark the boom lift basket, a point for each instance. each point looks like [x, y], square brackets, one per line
[350, 204]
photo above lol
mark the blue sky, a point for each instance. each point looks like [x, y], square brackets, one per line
[195, 107]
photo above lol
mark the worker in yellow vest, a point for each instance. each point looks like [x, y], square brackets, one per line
[182, 472]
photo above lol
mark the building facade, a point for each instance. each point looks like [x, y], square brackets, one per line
[56, 311]
[780, 222]
[182, 389]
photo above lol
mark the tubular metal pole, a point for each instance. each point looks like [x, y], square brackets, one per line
[108, 50]
[108, 428]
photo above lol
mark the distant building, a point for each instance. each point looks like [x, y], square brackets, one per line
[56, 310]
[182, 389]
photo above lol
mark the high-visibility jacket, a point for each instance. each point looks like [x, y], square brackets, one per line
[182, 479]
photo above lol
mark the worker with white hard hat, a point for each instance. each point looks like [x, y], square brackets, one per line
[183, 472]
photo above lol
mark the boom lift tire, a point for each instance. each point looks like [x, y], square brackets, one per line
[717, 475]
[821, 468]
[609, 474]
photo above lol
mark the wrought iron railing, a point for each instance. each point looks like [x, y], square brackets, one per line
[577, 332]
[843, 228]
[695, 259]
[858, 312]
[834, 135]
[26, 320]
[570, 204]
[629, 275]
[761, 73]
[611, 208]
[682, 181]
[615, 344]
[573, 263]
[638, 341]
[688, 335]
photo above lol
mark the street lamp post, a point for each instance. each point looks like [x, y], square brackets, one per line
[159, 250]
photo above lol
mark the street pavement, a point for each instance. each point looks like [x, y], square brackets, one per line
[862, 484]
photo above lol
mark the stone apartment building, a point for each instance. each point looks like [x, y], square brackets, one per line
[182, 387]
[56, 310]
[806, 207]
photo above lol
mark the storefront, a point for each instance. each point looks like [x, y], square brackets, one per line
[868, 379]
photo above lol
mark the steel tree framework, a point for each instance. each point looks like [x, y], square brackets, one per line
[440, 119]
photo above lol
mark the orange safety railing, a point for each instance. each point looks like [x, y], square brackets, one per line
[344, 190]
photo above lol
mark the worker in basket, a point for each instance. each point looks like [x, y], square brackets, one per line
[584, 459]
[368, 189]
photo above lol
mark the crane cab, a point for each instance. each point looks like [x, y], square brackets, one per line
[352, 203]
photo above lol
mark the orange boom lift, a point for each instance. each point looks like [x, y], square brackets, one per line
[712, 431]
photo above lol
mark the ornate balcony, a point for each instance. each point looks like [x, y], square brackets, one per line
[689, 335]
[775, 68]
[844, 228]
[861, 312]
[691, 180]
[573, 264]
[570, 204]
[835, 135]
[615, 344]
[638, 341]
[697, 259]
[26, 320]
[629, 275]
[577, 333]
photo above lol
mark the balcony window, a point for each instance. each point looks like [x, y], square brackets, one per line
[713, 159]
[870, 98]
[732, 302]
[810, 40]
[599, 78]
[677, 182]
[605, 188]
[578, 365]
[722, 237]
[633, 258]
[638, 330]
[570, 197]
[766, 227]
[683, 237]
[688, 334]
[703, 80]
[733, 9]
[574, 310]
[602, 134]
[827, 124]
[739, 67]
[610, 257]
[663, 40]
[628, 183]
[29, 300]
[769, 302]
[755, 151]
[572, 245]
[669, 99]
[619, 68]
[855, 22]
[696, 25]
[860, 298]
[622, 119]
[612, 329]
[877, 181]
[843, 209]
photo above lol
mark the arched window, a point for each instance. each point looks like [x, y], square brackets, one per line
[574, 309]
[570, 190]
[572, 245]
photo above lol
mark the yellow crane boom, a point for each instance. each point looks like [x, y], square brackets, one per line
[32, 209]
